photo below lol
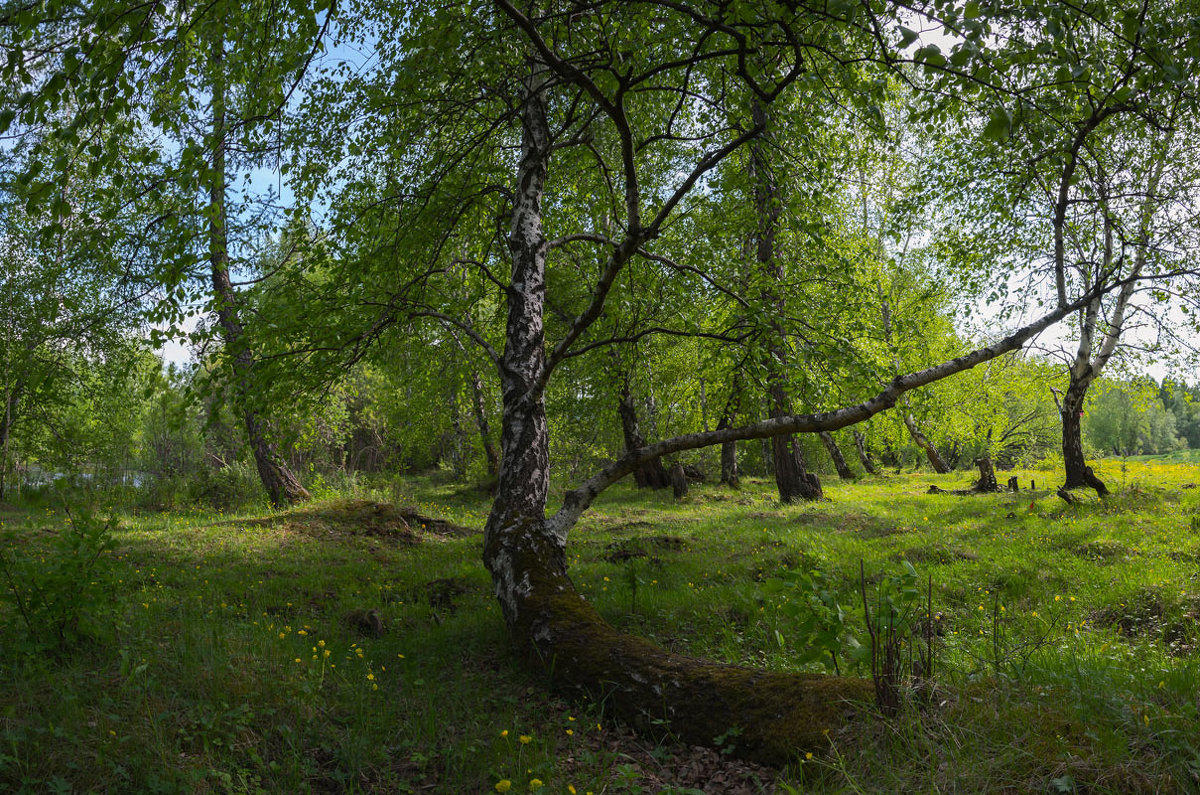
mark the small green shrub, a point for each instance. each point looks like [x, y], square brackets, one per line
[60, 593]
[227, 487]
[809, 617]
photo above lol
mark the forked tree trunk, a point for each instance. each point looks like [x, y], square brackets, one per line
[839, 461]
[651, 474]
[1096, 345]
[1078, 473]
[281, 485]
[860, 444]
[779, 714]
[935, 459]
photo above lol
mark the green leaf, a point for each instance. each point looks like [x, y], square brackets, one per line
[999, 126]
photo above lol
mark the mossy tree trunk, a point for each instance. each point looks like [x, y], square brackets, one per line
[729, 462]
[11, 403]
[481, 422]
[1078, 473]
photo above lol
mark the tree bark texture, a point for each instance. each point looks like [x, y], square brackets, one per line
[791, 476]
[651, 474]
[729, 465]
[935, 459]
[679, 481]
[839, 461]
[860, 444]
[1078, 473]
[281, 485]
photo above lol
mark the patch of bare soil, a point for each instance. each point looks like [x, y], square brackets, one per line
[670, 768]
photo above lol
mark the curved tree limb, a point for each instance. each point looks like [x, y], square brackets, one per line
[576, 501]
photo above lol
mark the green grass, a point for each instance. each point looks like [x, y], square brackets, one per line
[1067, 659]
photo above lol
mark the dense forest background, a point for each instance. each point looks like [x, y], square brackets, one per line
[136, 430]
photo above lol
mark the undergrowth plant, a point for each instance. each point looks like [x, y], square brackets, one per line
[62, 593]
[890, 629]
[810, 619]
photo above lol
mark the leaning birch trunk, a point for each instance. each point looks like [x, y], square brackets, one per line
[281, 485]
[860, 444]
[935, 459]
[780, 714]
[835, 453]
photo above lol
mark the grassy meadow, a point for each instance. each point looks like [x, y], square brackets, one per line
[233, 652]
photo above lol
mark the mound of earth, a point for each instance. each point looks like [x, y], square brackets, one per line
[397, 523]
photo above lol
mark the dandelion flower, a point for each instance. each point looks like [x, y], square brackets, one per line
[808, 754]
[503, 785]
[525, 738]
[535, 783]
[504, 733]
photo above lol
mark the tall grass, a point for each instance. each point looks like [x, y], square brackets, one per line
[1067, 649]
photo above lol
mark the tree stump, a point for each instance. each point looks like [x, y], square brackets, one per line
[987, 476]
[679, 481]
[1014, 484]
